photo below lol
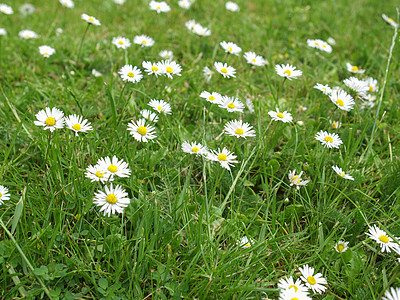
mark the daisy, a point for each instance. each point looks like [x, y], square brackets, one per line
[201, 31]
[335, 124]
[285, 117]
[185, 4]
[390, 20]
[245, 242]
[369, 97]
[160, 106]
[90, 20]
[119, 2]
[170, 68]
[329, 140]
[354, 69]
[27, 9]
[291, 294]
[3, 31]
[4, 195]
[50, 118]
[231, 104]
[166, 54]
[213, 97]
[121, 42]
[340, 172]
[296, 179]
[288, 283]
[239, 129]
[315, 282]
[368, 104]
[194, 148]
[59, 31]
[341, 246]
[5, 9]
[341, 99]
[392, 294]
[190, 24]
[224, 69]
[357, 85]
[78, 124]
[288, 71]
[96, 73]
[67, 3]
[250, 105]
[140, 131]
[148, 115]
[230, 47]
[159, 6]
[143, 40]
[320, 45]
[232, 6]
[152, 68]
[207, 73]
[112, 200]
[224, 157]
[254, 59]
[114, 166]
[98, 173]
[27, 34]
[46, 51]
[372, 85]
[382, 238]
[323, 88]
[130, 73]
[331, 41]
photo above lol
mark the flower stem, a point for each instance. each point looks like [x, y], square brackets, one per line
[80, 46]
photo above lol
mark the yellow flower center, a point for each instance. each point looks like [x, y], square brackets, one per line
[371, 88]
[334, 125]
[195, 149]
[121, 42]
[77, 127]
[99, 174]
[170, 70]
[212, 98]
[253, 60]
[223, 70]
[231, 105]
[247, 245]
[27, 35]
[142, 130]
[91, 19]
[340, 247]
[316, 44]
[311, 280]
[144, 42]
[384, 238]
[154, 68]
[295, 298]
[324, 46]
[46, 54]
[131, 75]
[158, 7]
[239, 131]
[159, 107]
[222, 157]
[295, 287]
[112, 199]
[328, 139]
[342, 174]
[340, 102]
[288, 72]
[230, 49]
[390, 20]
[295, 177]
[50, 121]
[355, 68]
[1, 195]
[112, 168]
[280, 115]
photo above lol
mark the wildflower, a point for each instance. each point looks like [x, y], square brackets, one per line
[341, 246]
[323, 88]
[46, 51]
[185, 4]
[170, 68]
[27, 34]
[140, 131]
[207, 73]
[50, 118]
[372, 85]
[59, 31]
[114, 166]
[151, 68]
[335, 124]
[320, 45]
[245, 242]
[213, 97]
[5, 9]
[254, 59]
[296, 179]
[3, 31]
[331, 41]
[302, 108]
[78, 124]
[329, 140]
[232, 6]
[130, 73]
[390, 21]
[250, 105]
[201, 31]
[27, 9]
[285, 117]
[288, 71]
[315, 282]
[225, 157]
[288, 283]
[96, 73]
[224, 69]
[392, 294]
[4, 195]
[166, 54]
[230, 47]
[159, 6]
[190, 25]
[143, 40]
[194, 148]
[341, 99]
[112, 200]
[121, 42]
[357, 85]
[119, 2]
[231, 104]
[368, 103]
[148, 115]
[239, 129]
[98, 173]
[354, 69]
[291, 294]
[382, 238]
[340, 172]
[67, 3]
[160, 106]
[90, 20]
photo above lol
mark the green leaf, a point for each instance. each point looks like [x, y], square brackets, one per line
[273, 166]
[18, 211]
[103, 283]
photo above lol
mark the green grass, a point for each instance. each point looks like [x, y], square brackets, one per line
[178, 237]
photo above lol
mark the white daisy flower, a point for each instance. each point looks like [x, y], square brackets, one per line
[320, 45]
[315, 282]
[90, 19]
[5, 9]
[152, 68]
[112, 201]
[354, 69]
[140, 131]
[331, 41]
[160, 106]
[225, 157]
[323, 88]
[4, 195]
[245, 242]
[372, 85]
[194, 148]
[335, 124]
[285, 117]
[59, 31]
[207, 73]
[357, 85]
[213, 97]
[114, 166]
[121, 42]
[96, 73]
[119, 2]
[159, 6]
[26, 9]
[383, 239]
[28, 34]
[390, 21]
[148, 115]
[98, 173]
[166, 54]
[288, 71]
[170, 68]
[368, 104]
[3, 31]
[341, 246]
[77, 124]
[143, 40]
[250, 105]
[46, 51]
[392, 294]
[185, 4]
[224, 69]
[239, 129]
[190, 25]
[341, 173]
[254, 59]
[200, 30]
[50, 118]
[329, 140]
[130, 73]
[231, 104]
[288, 283]
[296, 179]
[232, 6]
[67, 3]
[291, 294]
[341, 99]
[369, 97]
[230, 47]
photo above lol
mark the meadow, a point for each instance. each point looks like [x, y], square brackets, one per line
[186, 200]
